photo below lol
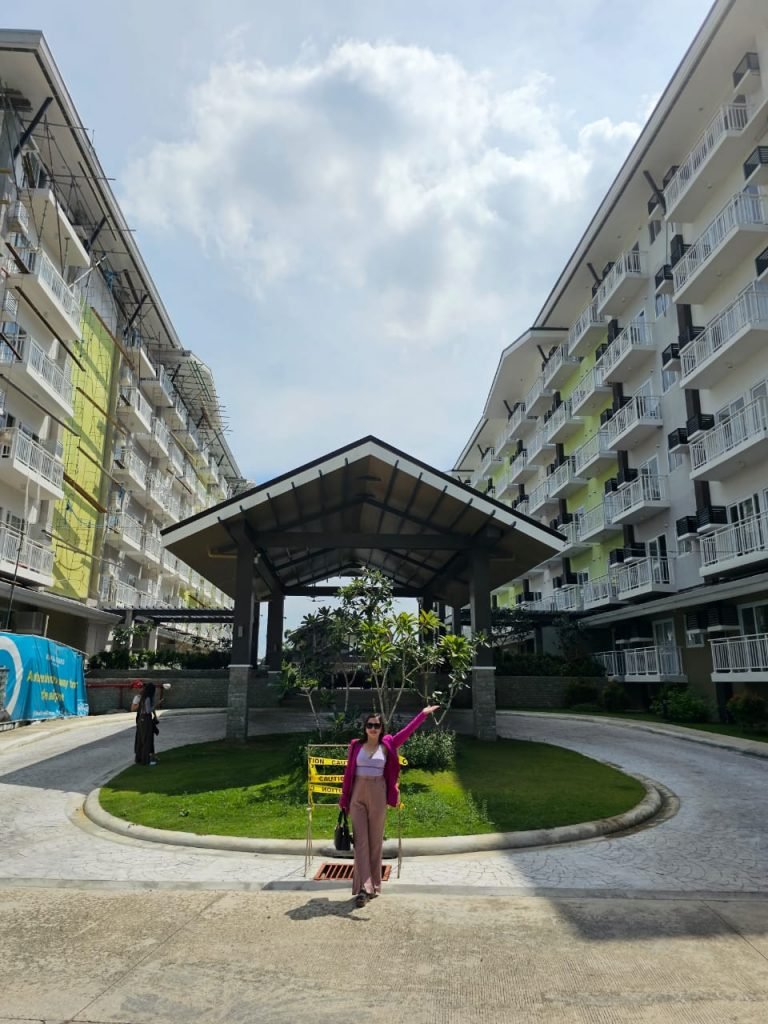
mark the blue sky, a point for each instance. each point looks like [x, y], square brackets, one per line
[351, 207]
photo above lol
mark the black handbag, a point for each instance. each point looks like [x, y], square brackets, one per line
[342, 840]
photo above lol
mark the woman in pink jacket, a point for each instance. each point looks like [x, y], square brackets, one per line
[370, 783]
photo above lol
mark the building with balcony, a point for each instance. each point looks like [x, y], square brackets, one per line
[644, 380]
[110, 427]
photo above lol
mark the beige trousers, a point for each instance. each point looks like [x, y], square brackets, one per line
[368, 811]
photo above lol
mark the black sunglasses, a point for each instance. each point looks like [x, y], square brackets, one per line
[373, 725]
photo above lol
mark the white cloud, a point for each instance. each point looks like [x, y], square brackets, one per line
[415, 205]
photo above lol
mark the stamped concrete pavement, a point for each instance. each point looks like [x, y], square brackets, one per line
[667, 925]
[715, 843]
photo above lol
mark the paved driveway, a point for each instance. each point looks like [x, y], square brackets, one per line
[717, 842]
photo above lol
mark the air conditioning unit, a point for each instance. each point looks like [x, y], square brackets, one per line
[677, 249]
[610, 485]
[627, 475]
[18, 219]
[557, 582]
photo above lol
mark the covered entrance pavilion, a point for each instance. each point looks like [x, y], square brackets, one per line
[365, 504]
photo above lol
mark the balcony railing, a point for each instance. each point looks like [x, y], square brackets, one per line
[596, 447]
[731, 118]
[58, 379]
[589, 319]
[125, 526]
[643, 662]
[134, 398]
[742, 542]
[17, 550]
[597, 519]
[132, 464]
[749, 309]
[643, 575]
[631, 265]
[601, 590]
[38, 264]
[559, 365]
[742, 210]
[20, 447]
[639, 409]
[747, 425]
[152, 545]
[567, 599]
[636, 337]
[645, 490]
[588, 387]
[743, 654]
[538, 496]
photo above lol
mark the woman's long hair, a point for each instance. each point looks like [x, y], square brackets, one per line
[147, 690]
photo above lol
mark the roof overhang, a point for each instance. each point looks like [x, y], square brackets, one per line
[367, 504]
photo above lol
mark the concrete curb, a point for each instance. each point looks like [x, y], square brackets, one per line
[648, 807]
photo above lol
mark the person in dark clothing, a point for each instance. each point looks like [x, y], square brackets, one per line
[146, 727]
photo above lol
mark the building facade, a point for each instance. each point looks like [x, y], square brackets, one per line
[633, 415]
[110, 429]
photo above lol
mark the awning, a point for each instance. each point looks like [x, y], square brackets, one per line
[365, 504]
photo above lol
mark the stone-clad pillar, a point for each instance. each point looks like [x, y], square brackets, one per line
[275, 633]
[483, 671]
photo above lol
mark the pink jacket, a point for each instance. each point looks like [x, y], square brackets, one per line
[391, 768]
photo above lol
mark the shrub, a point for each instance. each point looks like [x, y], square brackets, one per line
[510, 663]
[581, 692]
[586, 707]
[433, 749]
[748, 711]
[678, 705]
[614, 697]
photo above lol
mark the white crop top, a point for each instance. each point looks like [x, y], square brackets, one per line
[371, 767]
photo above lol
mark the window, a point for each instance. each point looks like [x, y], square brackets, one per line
[676, 460]
[686, 546]
[654, 230]
[663, 302]
[650, 467]
[668, 379]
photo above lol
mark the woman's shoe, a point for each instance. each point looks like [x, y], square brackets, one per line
[361, 899]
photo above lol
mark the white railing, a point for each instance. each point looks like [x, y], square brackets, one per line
[750, 307]
[642, 574]
[160, 433]
[646, 488]
[748, 424]
[632, 262]
[538, 495]
[152, 545]
[21, 448]
[732, 117]
[588, 384]
[176, 457]
[570, 531]
[18, 550]
[589, 318]
[591, 449]
[536, 391]
[641, 407]
[740, 540]
[523, 507]
[58, 379]
[559, 357]
[133, 464]
[42, 267]
[567, 599]
[137, 401]
[562, 475]
[636, 335]
[599, 591]
[490, 459]
[741, 654]
[741, 210]
[536, 443]
[597, 518]
[519, 463]
[645, 662]
[561, 414]
[126, 526]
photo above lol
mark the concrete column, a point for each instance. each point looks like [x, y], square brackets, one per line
[237, 703]
[483, 671]
[255, 633]
[456, 619]
[152, 639]
[275, 613]
[242, 630]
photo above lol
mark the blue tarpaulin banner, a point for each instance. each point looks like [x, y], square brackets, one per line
[45, 679]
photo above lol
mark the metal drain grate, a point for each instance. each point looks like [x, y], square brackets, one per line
[343, 872]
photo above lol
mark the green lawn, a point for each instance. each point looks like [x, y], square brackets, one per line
[258, 789]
